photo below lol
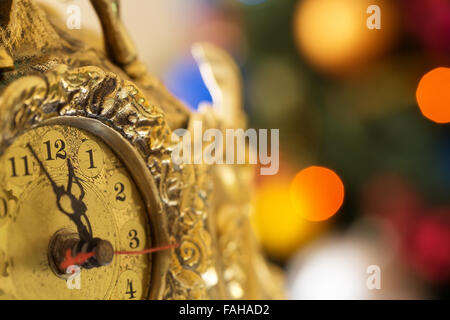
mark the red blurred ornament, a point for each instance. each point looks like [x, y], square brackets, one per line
[424, 234]
[390, 197]
[428, 245]
[429, 21]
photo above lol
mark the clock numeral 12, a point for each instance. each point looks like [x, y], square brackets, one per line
[60, 154]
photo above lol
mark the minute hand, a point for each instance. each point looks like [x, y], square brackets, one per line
[78, 206]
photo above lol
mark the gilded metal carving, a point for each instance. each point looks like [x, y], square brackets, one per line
[60, 78]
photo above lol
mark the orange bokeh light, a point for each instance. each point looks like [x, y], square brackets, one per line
[316, 193]
[433, 95]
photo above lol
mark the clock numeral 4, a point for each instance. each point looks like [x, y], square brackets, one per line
[130, 285]
[130, 292]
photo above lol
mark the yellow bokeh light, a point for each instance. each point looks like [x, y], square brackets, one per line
[279, 227]
[333, 35]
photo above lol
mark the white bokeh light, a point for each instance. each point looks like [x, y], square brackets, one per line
[330, 270]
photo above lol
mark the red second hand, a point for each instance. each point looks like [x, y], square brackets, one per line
[170, 246]
[79, 259]
[82, 257]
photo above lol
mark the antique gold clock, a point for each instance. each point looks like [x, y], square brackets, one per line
[86, 170]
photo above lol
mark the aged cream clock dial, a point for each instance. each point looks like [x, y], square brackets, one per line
[34, 217]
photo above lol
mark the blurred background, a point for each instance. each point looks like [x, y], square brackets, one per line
[344, 98]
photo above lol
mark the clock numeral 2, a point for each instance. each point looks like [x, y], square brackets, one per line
[26, 169]
[130, 290]
[120, 188]
[60, 154]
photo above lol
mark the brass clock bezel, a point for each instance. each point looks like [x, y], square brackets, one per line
[116, 111]
[141, 177]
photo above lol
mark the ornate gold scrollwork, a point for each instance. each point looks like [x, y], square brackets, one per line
[217, 256]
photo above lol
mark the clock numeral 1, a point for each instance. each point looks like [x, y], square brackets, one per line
[26, 170]
[91, 159]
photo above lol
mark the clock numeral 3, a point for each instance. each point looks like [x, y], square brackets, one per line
[90, 158]
[134, 240]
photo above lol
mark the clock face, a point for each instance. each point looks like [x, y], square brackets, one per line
[48, 176]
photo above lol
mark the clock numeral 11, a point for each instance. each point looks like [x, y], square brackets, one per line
[26, 170]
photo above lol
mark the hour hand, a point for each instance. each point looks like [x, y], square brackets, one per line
[73, 179]
[58, 190]
[78, 208]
